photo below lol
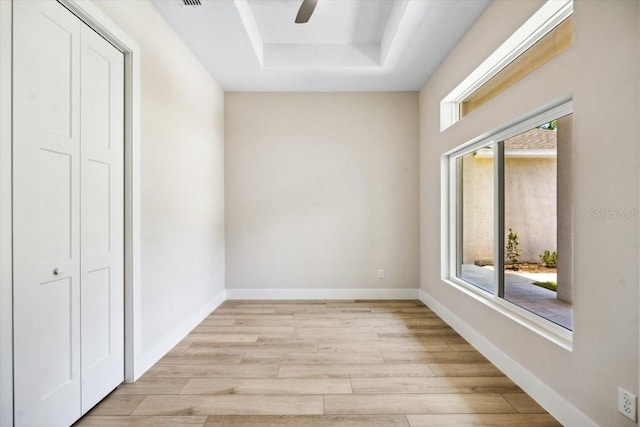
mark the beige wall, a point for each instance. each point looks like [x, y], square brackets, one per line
[182, 184]
[321, 190]
[601, 70]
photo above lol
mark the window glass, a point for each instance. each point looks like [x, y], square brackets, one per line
[475, 216]
[531, 222]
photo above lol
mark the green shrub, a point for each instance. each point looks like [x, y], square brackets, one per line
[549, 259]
[512, 251]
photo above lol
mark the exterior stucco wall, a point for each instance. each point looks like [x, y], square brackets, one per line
[530, 206]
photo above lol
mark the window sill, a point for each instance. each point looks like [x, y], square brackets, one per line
[545, 328]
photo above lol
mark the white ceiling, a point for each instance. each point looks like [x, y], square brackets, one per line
[342, 22]
[348, 45]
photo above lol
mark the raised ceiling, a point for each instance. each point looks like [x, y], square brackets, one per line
[348, 45]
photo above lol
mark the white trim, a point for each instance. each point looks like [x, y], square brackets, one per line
[310, 294]
[178, 333]
[550, 111]
[445, 219]
[548, 398]
[391, 29]
[545, 328]
[251, 27]
[519, 153]
[552, 13]
[6, 275]
[498, 220]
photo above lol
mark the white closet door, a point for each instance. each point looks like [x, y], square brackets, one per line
[46, 203]
[68, 215]
[102, 228]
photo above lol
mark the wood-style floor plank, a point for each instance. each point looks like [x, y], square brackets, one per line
[315, 358]
[409, 323]
[524, 403]
[476, 420]
[354, 370]
[347, 363]
[212, 321]
[479, 403]
[268, 386]
[141, 421]
[118, 404]
[461, 347]
[465, 370]
[230, 405]
[383, 347]
[188, 357]
[308, 421]
[153, 385]
[237, 329]
[212, 337]
[297, 323]
[433, 356]
[213, 370]
[238, 350]
[433, 385]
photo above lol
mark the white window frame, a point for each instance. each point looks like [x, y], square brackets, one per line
[451, 227]
[548, 17]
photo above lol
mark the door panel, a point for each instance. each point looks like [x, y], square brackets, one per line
[102, 226]
[96, 212]
[46, 167]
[96, 344]
[55, 61]
[53, 311]
[97, 66]
[68, 215]
[55, 199]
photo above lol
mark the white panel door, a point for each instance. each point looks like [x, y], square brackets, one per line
[68, 215]
[46, 202]
[102, 207]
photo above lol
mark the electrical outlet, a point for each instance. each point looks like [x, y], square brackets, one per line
[380, 273]
[627, 404]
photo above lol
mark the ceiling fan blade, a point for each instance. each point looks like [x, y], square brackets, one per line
[306, 10]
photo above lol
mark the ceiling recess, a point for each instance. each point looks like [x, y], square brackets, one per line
[347, 45]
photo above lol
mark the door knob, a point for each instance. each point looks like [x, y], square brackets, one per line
[56, 271]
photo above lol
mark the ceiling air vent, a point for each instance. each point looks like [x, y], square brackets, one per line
[192, 2]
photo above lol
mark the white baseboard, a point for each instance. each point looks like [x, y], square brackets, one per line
[177, 334]
[549, 399]
[284, 294]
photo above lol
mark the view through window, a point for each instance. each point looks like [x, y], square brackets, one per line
[523, 261]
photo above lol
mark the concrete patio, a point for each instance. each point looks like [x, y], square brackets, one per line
[520, 290]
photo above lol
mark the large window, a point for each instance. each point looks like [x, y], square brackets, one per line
[509, 214]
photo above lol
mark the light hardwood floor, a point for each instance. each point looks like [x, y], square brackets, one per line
[321, 363]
